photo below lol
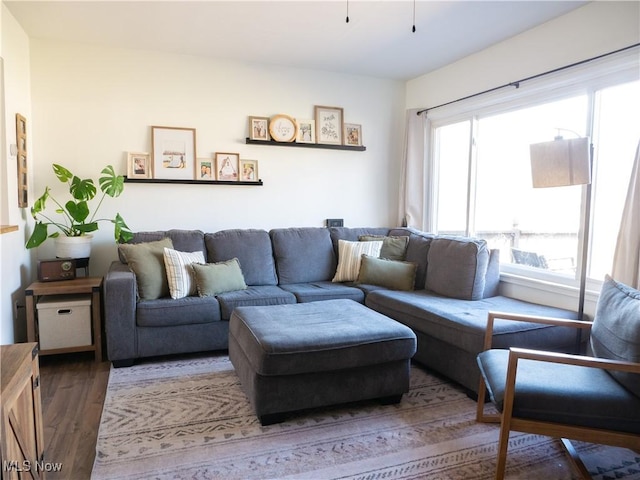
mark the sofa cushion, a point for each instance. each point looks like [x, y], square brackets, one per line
[147, 262]
[417, 252]
[616, 329]
[352, 234]
[167, 312]
[457, 267]
[315, 291]
[392, 274]
[183, 240]
[179, 273]
[463, 322]
[393, 248]
[303, 255]
[251, 247]
[253, 296]
[215, 278]
[350, 257]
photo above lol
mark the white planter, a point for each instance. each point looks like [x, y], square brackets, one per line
[73, 247]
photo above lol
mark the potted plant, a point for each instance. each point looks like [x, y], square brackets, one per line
[76, 221]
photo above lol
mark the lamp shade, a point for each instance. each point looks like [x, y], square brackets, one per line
[560, 163]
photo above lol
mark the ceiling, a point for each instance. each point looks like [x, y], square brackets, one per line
[378, 40]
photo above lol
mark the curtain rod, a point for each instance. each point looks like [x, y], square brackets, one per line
[516, 84]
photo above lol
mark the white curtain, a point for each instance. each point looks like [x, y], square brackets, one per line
[626, 259]
[416, 174]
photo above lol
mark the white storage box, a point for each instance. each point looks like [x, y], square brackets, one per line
[64, 321]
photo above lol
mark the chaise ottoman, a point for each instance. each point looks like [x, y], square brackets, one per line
[305, 355]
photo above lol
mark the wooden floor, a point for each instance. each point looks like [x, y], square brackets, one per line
[73, 388]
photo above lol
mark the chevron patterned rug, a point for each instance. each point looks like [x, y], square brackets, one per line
[189, 418]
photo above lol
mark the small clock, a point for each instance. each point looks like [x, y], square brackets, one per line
[283, 128]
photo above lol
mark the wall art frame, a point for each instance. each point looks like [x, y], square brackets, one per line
[227, 166]
[205, 170]
[259, 128]
[353, 134]
[173, 152]
[249, 170]
[21, 142]
[306, 131]
[329, 124]
[139, 165]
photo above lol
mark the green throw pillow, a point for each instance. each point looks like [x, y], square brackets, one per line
[216, 278]
[393, 248]
[392, 274]
[147, 262]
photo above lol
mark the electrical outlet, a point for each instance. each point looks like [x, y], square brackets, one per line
[335, 222]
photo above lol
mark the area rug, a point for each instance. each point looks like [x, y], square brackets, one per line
[189, 418]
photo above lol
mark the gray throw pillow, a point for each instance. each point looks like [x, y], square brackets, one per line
[615, 333]
[147, 262]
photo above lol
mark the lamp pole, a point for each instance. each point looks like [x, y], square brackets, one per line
[585, 241]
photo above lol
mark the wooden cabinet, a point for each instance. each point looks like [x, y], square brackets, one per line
[21, 442]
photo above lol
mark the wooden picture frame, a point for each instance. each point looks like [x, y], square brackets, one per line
[353, 134]
[306, 131]
[329, 124]
[259, 128]
[139, 165]
[173, 153]
[249, 171]
[23, 177]
[227, 166]
[205, 171]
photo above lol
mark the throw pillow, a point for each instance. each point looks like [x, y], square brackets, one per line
[392, 274]
[350, 256]
[393, 248]
[615, 333]
[215, 278]
[147, 262]
[179, 275]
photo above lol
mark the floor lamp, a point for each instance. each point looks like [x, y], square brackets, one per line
[562, 163]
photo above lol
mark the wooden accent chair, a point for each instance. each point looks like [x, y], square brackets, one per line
[592, 398]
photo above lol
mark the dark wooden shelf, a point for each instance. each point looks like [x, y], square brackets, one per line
[191, 182]
[306, 145]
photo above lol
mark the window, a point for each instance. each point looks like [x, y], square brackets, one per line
[483, 177]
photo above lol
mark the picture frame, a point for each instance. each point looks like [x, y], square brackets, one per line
[329, 124]
[139, 165]
[205, 170]
[227, 166]
[353, 134]
[21, 153]
[173, 153]
[259, 128]
[249, 170]
[306, 131]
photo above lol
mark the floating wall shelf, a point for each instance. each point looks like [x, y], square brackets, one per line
[306, 145]
[192, 182]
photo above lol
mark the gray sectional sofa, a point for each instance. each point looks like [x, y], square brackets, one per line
[455, 285]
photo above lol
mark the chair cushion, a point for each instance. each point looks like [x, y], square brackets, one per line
[562, 393]
[616, 329]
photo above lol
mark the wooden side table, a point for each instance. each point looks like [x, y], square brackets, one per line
[92, 285]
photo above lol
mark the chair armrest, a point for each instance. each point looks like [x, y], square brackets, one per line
[561, 322]
[120, 301]
[571, 359]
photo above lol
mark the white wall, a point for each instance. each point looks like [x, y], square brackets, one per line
[15, 261]
[93, 104]
[595, 29]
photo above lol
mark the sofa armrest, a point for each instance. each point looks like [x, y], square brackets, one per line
[120, 298]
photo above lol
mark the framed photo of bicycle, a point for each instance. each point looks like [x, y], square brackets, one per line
[174, 153]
